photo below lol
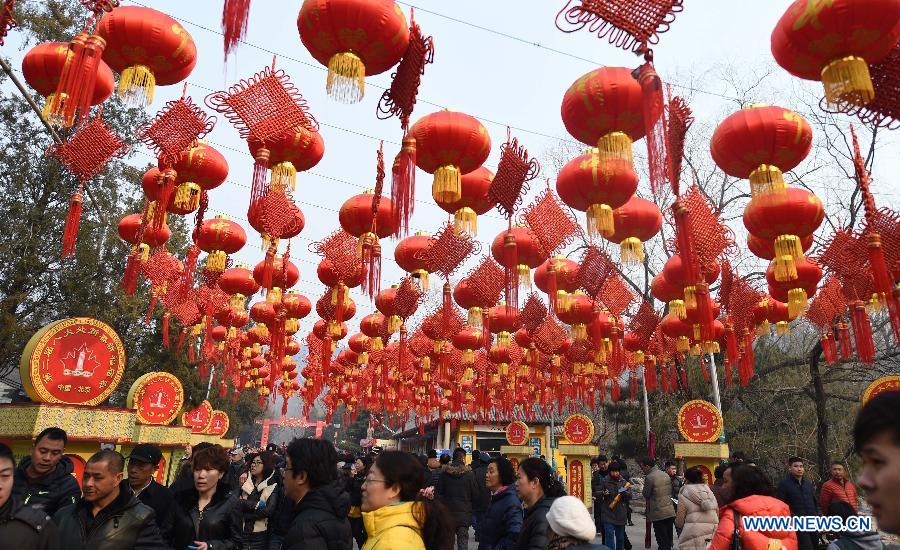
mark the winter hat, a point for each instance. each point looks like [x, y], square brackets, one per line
[569, 517]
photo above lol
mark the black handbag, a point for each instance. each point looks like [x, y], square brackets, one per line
[736, 536]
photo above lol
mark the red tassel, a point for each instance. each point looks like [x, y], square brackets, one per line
[673, 372]
[73, 220]
[284, 406]
[829, 348]
[664, 378]
[844, 337]
[370, 255]
[510, 263]
[552, 286]
[728, 376]
[181, 338]
[269, 266]
[341, 296]
[732, 352]
[883, 283]
[167, 187]
[650, 374]
[190, 266]
[150, 307]
[165, 330]
[401, 349]
[234, 23]
[192, 353]
[704, 369]
[748, 359]
[862, 332]
[654, 123]
[75, 88]
[403, 185]
[132, 269]
[223, 389]
[632, 382]
[616, 392]
[259, 184]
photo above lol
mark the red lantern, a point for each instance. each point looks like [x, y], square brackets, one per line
[765, 249]
[673, 327]
[557, 277]
[603, 185]
[283, 277]
[147, 48]
[130, 226]
[328, 277]
[784, 218]
[770, 310]
[795, 292]
[467, 340]
[503, 321]
[219, 237]
[759, 143]
[42, 68]
[294, 151]
[371, 325]
[348, 311]
[604, 109]
[407, 254]
[384, 302]
[635, 222]
[263, 312]
[200, 168]
[665, 291]
[239, 283]
[296, 305]
[835, 42]
[357, 219]
[322, 330]
[354, 39]
[473, 201]
[465, 296]
[518, 248]
[449, 144]
[579, 311]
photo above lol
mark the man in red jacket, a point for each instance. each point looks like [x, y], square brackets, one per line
[838, 488]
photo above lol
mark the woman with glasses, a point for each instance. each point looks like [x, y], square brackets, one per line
[259, 497]
[393, 514]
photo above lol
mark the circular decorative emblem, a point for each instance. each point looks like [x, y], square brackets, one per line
[699, 421]
[517, 433]
[198, 419]
[78, 361]
[578, 429]
[218, 424]
[157, 397]
[881, 385]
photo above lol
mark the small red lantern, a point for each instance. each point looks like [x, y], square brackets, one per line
[665, 291]
[357, 219]
[294, 151]
[473, 201]
[503, 321]
[449, 144]
[467, 340]
[765, 249]
[147, 48]
[130, 226]
[200, 168]
[283, 277]
[328, 277]
[602, 185]
[464, 295]
[673, 327]
[796, 292]
[557, 277]
[263, 312]
[296, 305]
[518, 248]
[219, 237]
[371, 325]
[408, 256]
[578, 313]
[635, 222]
[238, 282]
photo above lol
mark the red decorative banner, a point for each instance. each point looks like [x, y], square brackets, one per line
[157, 398]
[578, 429]
[700, 421]
[517, 433]
[199, 419]
[219, 423]
[576, 479]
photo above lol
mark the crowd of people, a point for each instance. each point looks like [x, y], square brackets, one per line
[306, 496]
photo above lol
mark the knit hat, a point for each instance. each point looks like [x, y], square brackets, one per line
[569, 517]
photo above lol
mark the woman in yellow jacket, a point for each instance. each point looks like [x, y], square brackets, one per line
[394, 516]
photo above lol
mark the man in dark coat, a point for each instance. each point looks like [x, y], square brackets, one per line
[44, 479]
[599, 471]
[321, 500]
[21, 527]
[482, 498]
[456, 489]
[798, 493]
[108, 516]
[142, 464]
[235, 468]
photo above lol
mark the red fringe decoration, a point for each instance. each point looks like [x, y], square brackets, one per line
[73, 220]
[403, 185]
[844, 338]
[616, 392]
[371, 265]
[664, 377]
[150, 307]
[75, 88]
[704, 370]
[190, 266]
[650, 381]
[654, 123]
[166, 189]
[260, 183]
[234, 23]
[552, 286]
[510, 263]
[269, 266]
[728, 376]
[192, 353]
[132, 270]
[682, 371]
[862, 332]
[181, 338]
[745, 373]
[165, 330]
[284, 406]
[732, 352]
[632, 383]
[829, 348]
[223, 389]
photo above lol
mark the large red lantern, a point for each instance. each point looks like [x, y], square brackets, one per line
[296, 305]
[503, 320]
[604, 109]
[635, 222]
[354, 39]
[759, 143]
[239, 283]
[557, 277]
[357, 219]
[292, 152]
[835, 41]
[769, 310]
[467, 340]
[42, 68]
[795, 292]
[449, 144]
[372, 325]
[473, 201]
[199, 168]
[219, 237]
[602, 185]
[408, 256]
[148, 49]
[130, 226]
[518, 248]
[665, 291]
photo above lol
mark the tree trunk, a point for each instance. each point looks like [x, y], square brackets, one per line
[819, 398]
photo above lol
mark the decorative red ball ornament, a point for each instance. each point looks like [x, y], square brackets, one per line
[148, 49]
[296, 305]
[665, 291]
[408, 256]
[635, 222]
[42, 68]
[357, 219]
[465, 297]
[449, 144]
[518, 248]
[219, 237]
[372, 326]
[473, 201]
[354, 39]
[759, 143]
[292, 152]
[130, 226]
[601, 184]
[467, 341]
[835, 41]
[798, 291]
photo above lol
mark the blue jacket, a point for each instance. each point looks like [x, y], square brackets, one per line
[499, 530]
[798, 495]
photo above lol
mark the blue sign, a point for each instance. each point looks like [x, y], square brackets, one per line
[535, 443]
[467, 443]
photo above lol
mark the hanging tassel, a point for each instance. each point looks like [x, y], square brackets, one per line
[728, 376]
[652, 102]
[704, 370]
[346, 80]
[370, 256]
[165, 330]
[150, 307]
[401, 349]
[615, 145]
[883, 283]
[650, 381]
[510, 261]
[447, 185]
[269, 265]
[75, 89]
[73, 220]
[600, 220]
[234, 23]
[403, 185]
[788, 249]
[844, 339]
[167, 185]
[732, 352]
[132, 270]
[616, 392]
[190, 266]
[465, 220]
[847, 82]
[259, 184]
[829, 349]
[862, 332]
[136, 86]
[747, 360]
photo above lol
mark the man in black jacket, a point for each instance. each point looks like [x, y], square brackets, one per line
[142, 464]
[599, 471]
[235, 468]
[43, 479]
[456, 489]
[108, 516]
[482, 498]
[798, 493]
[322, 503]
[21, 527]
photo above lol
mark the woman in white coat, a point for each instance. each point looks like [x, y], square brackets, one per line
[698, 512]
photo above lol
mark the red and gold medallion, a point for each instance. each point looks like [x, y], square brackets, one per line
[219, 423]
[157, 397]
[578, 429]
[517, 433]
[199, 418]
[77, 361]
[881, 385]
[700, 421]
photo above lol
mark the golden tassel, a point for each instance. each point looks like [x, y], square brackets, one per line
[48, 104]
[136, 85]
[767, 178]
[215, 261]
[600, 220]
[788, 250]
[465, 220]
[273, 296]
[422, 276]
[797, 302]
[238, 301]
[503, 339]
[676, 307]
[283, 175]
[346, 78]
[615, 145]
[631, 251]
[524, 275]
[690, 297]
[145, 252]
[394, 323]
[291, 325]
[697, 335]
[638, 356]
[847, 81]
[695, 350]
[447, 186]
[563, 300]
[711, 347]
[475, 317]
[682, 343]
[578, 331]
[376, 344]
[187, 196]
[782, 328]
[763, 328]
[468, 356]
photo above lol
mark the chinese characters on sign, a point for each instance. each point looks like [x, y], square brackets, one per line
[578, 429]
[881, 385]
[576, 479]
[157, 397]
[517, 433]
[218, 423]
[198, 419]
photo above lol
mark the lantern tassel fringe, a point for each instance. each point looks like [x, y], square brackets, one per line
[346, 78]
[136, 85]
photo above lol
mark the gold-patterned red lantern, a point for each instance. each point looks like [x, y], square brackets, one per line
[292, 152]
[448, 145]
[354, 39]
[199, 168]
[263, 313]
[129, 230]
[465, 297]
[673, 327]
[219, 237]
[759, 143]
[408, 255]
[604, 109]
[665, 291]
[359, 343]
[296, 307]
[356, 216]
[769, 310]
[557, 277]
[238, 282]
[42, 67]
[322, 330]
[835, 41]
[798, 291]
[503, 321]
[635, 222]
[467, 341]
[371, 325]
[786, 219]
[384, 303]
[518, 248]
[148, 49]
[580, 310]
[473, 200]
[283, 275]
[326, 274]
[602, 184]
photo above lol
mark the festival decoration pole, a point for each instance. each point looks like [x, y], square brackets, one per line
[647, 405]
[714, 381]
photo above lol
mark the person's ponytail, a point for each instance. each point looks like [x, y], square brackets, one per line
[554, 489]
[434, 520]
